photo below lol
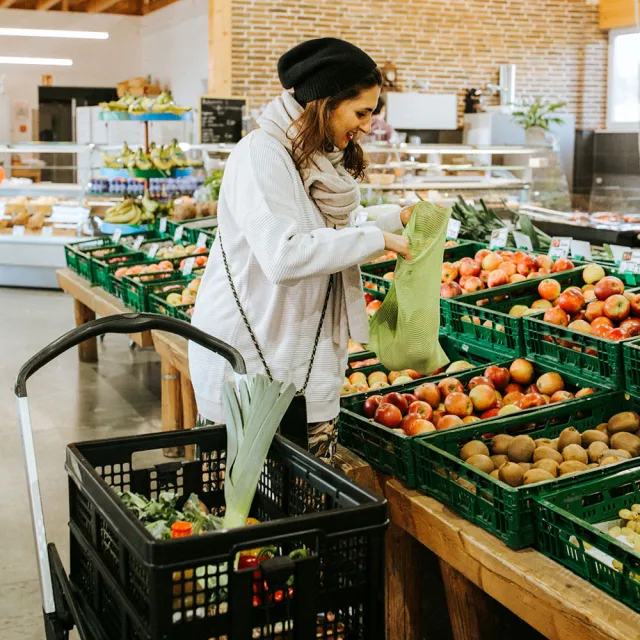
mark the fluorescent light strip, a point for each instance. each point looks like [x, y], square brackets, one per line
[55, 62]
[54, 33]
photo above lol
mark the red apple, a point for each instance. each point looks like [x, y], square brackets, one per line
[556, 316]
[594, 310]
[367, 298]
[388, 415]
[373, 306]
[469, 267]
[513, 397]
[396, 399]
[437, 416]
[635, 305]
[546, 263]
[449, 272]
[423, 409]
[609, 286]
[527, 265]
[414, 375]
[474, 382]
[449, 385]
[532, 388]
[490, 413]
[562, 264]
[450, 290]
[418, 426]
[448, 421]
[371, 404]
[482, 396]
[497, 278]
[601, 331]
[458, 404]
[511, 387]
[571, 301]
[587, 391]
[617, 334]
[479, 257]
[500, 376]
[549, 289]
[631, 326]
[601, 321]
[616, 308]
[429, 393]
[509, 268]
[521, 371]
[472, 284]
[410, 398]
[531, 400]
[561, 396]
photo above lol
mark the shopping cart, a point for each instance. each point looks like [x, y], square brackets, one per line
[342, 524]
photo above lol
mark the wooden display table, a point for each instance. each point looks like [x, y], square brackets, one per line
[437, 562]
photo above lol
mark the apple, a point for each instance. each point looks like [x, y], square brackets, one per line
[450, 290]
[594, 310]
[477, 380]
[484, 276]
[556, 316]
[580, 325]
[516, 277]
[357, 377]
[500, 376]
[483, 397]
[418, 426]
[532, 388]
[396, 399]
[561, 396]
[447, 386]
[549, 289]
[521, 371]
[469, 267]
[631, 326]
[601, 321]
[371, 404]
[531, 400]
[367, 299]
[472, 284]
[437, 416]
[512, 398]
[518, 310]
[571, 301]
[361, 387]
[492, 261]
[562, 264]
[592, 273]
[376, 386]
[376, 376]
[616, 308]
[549, 383]
[511, 387]
[402, 380]
[414, 375]
[497, 278]
[393, 376]
[545, 262]
[490, 413]
[602, 330]
[617, 334]
[174, 298]
[635, 305]
[388, 415]
[609, 286]
[458, 365]
[541, 304]
[509, 268]
[430, 393]
[480, 255]
[449, 272]
[407, 420]
[509, 409]
[410, 398]
[458, 404]
[448, 421]
[373, 306]
[527, 265]
[470, 419]
[587, 391]
[422, 408]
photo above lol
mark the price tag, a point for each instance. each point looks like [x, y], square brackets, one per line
[202, 240]
[618, 252]
[116, 235]
[178, 233]
[630, 262]
[153, 249]
[522, 240]
[580, 250]
[188, 266]
[47, 231]
[18, 230]
[137, 243]
[560, 247]
[499, 238]
[453, 229]
[163, 225]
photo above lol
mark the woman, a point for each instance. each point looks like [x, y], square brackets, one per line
[282, 284]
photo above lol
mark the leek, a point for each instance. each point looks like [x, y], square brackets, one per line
[252, 421]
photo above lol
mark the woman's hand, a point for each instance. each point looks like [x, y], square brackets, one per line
[399, 244]
[405, 215]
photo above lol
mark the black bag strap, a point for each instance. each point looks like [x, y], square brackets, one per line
[253, 336]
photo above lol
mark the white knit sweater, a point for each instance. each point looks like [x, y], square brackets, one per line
[280, 255]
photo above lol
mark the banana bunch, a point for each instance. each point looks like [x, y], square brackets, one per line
[118, 162]
[135, 212]
[122, 104]
[164, 103]
[164, 158]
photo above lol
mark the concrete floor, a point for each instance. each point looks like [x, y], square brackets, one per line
[69, 402]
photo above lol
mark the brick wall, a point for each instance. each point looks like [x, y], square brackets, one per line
[454, 44]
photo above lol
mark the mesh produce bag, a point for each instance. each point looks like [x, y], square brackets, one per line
[404, 331]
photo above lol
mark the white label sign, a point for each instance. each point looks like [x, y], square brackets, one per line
[202, 240]
[153, 249]
[163, 225]
[618, 252]
[138, 242]
[630, 262]
[523, 241]
[188, 266]
[499, 238]
[453, 229]
[580, 250]
[116, 235]
[560, 247]
[178, 233]
[18, 230]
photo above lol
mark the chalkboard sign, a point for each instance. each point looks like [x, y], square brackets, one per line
[220, 119]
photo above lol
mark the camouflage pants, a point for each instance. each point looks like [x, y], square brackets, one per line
[323, 438]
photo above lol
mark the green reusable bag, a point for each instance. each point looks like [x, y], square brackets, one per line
[404, 331]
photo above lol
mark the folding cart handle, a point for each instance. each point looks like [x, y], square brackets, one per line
[123, 323]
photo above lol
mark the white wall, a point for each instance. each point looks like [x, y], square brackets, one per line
[175, 49]
[96, 63]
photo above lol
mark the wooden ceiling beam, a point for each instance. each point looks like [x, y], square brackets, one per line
[45, 5]
[99, 6]
[155, 5]
[5, 4]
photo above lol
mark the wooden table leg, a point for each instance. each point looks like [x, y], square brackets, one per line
[171, 404]
[472, 612]
[87, 350]
[189, 411]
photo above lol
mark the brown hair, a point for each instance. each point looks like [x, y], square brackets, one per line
[313, 129]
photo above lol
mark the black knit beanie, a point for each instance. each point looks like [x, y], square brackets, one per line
[323, 67]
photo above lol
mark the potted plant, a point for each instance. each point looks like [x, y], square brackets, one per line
[536, 115]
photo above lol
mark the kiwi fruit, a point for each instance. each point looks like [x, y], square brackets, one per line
[499, 460]
[473, 448]
[548, 465]
[604, 427]
[521, 449]
[547, 452]
[495, 474]
[575, 452]
[628, 421]
[627, 442]
[545, 442]
[607, 460]
[616, 453]
[482, 462]
[500, 444]
[537, 475]
[572, 466]
[525, 466]
[512, 474]
[596, 449]
[569, 436]
[593, 435]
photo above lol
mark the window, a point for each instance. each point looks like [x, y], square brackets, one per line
[623, 96]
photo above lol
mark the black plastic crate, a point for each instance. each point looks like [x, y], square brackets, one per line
[188, 588]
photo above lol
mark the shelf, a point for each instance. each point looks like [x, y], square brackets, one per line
[450, 149]
[449, 185]
[61, 190]
[447, 167]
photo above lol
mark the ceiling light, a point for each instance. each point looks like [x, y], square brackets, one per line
[54, 33]
[56, 62]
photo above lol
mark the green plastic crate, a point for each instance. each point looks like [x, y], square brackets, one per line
[631, 363]
[158, 298]
[490, 325]
[102, 269]
[392, 452]
[182, 314]
[505, 511]
[72, 249]
[565, 523]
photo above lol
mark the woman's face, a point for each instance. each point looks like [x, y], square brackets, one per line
[352, 118]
